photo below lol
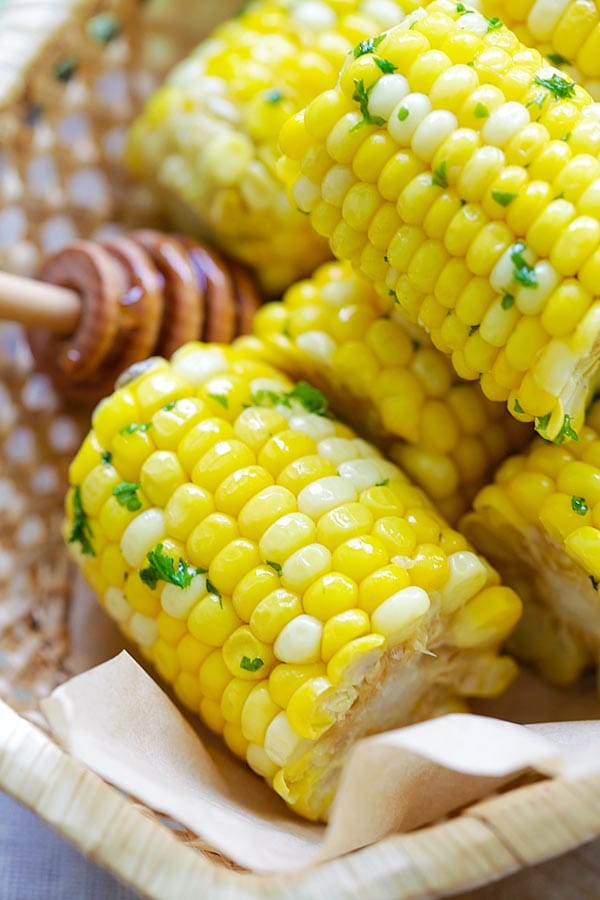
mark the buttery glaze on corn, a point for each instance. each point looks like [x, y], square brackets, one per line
[465, 183]
[312, 593]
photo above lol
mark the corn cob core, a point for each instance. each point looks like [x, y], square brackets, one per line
[566, 32]
[465, 184]
[386, 379]
[540, 524]
[291, 584]
[209, 136]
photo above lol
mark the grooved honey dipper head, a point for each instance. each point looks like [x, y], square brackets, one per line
[141, 294]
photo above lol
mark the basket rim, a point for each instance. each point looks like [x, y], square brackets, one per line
[489, 841]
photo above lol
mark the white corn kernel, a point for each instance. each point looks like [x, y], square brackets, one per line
[385, 12]
[197, 365]
[468, 576]
[336, 185]
[337, 450]
[386, 94]
[145, 532]
[398, 615]
[286, 535]
[474, 22]
[406, 117]
[433, 131]
[116, 605]
[143, 629]
[318, 345]
[282, 745]
[314, 15]
[362, 473]
[306, 194]
[259, 762]
[299, 641]
[544, 16]
[504, 122]
[177, 602]
[316, 427]
[305, 566]
[324, 494]
[531, 300]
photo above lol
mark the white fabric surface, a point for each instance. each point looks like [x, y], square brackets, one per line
[36, 864]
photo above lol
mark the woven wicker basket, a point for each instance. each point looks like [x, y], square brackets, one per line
[72, 73]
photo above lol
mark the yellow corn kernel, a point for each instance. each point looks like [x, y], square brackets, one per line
[284, 448]
[429, 569]
[97, 487]
[264, 509]
[273, 613]
[258, 713]
[360, 557]
[486, 619]
[561, 514]
[582, 545]
[187, 690]
[166, 660]
[252, 589]
[285, 679]
[246, 656]
[214, 676]
[356, 660]
[211, 713]
[209, 537]
[341, 629]
[233, 699]
[111, 415]
[192, 653]
[308, 711]
[187, 506]
[232, 563]
[140, 597]
[213, 619]
[171, 423]
[160, 476]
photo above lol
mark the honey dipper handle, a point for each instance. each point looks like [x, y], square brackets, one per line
[38, 305]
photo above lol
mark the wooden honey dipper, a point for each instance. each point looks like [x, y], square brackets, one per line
[97, 307]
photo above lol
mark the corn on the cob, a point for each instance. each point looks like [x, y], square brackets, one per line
[388, 381]
[540, 524]
[566, 32]
[276, 569]
[208, 138]
[466, 183]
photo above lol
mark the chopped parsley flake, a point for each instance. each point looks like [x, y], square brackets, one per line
[266, 398]
[473, 330]
[518, 408]
[361, 96]
[595, 583]
[440, 175]
[162, 568]
[368, 46]
[275, 95]
[386, 65]
[494, 23]
[403, 114]
[275, 566]
[220, 398]
[503, 197]
[542, 422]
[507, 301]
[126, 494]
[559, 87]
[213, 590]
[311, 399]
[481, 111]
[539, 101]
[579, 506]
[567, 137]
[383, 483]
[107, 458]
[81, 533]
[169, 406]
[566, 431]
[461, 9]
[251, 665]
[523, 273]
[131, 429]
[394, 295]
[557, 60]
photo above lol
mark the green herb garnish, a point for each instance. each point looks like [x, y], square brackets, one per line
[311, 399]
[275, 95]
[494, 24]
[81, 533]
[542, 422]
[566, 431]
[162, 568]
[394, 295]
[523, 273]
[383, 483]
[275, 566]
[386, 65]
[126, 494]
[440, 175]
[107, 458]
[220, 398]
[559, 87]
[251, 665]
[403, 114]
[361, 96]
[595, 583]
[213, 590]
[481, 111]
[503, 198]
[473, 330]
[169, 406]
[557, 60]
[579, 506]
[507, 301]
[518, 408]
[368, 46]
[135, 426]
